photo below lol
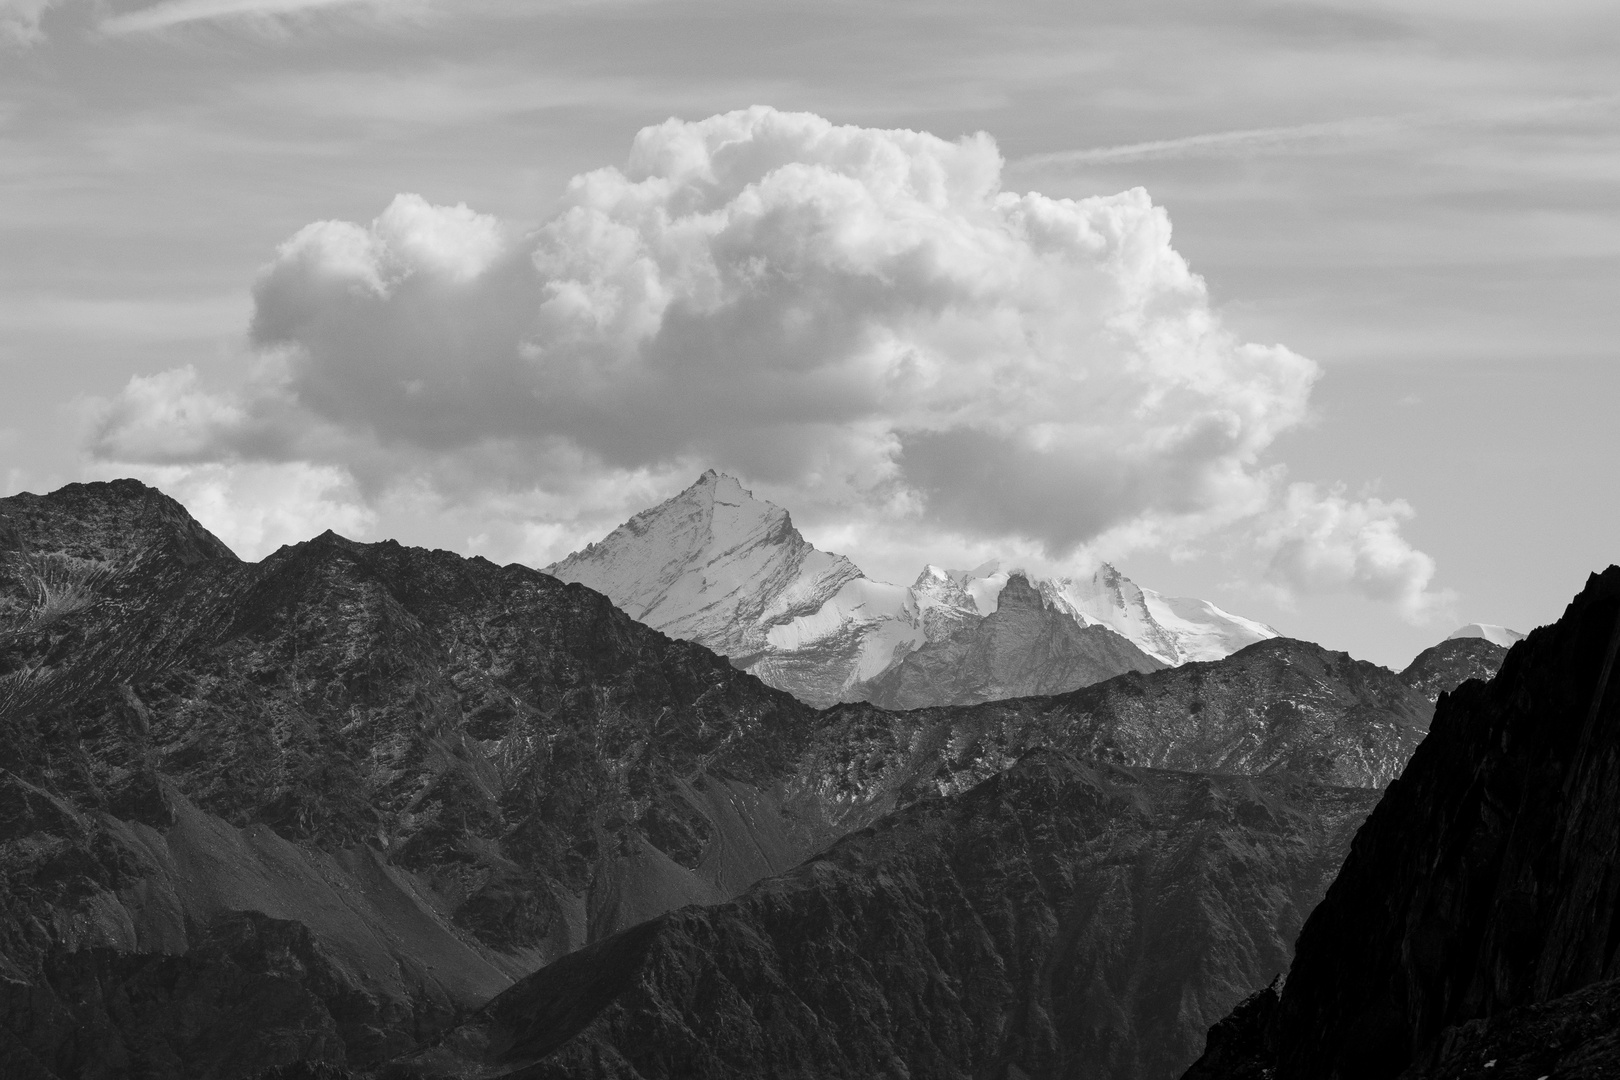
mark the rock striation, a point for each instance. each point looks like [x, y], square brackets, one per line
[1472, 928]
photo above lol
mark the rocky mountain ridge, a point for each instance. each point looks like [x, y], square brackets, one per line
[716, 566]
[314, 810]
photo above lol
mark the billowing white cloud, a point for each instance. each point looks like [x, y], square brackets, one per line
[1321, 542]
[861, 322]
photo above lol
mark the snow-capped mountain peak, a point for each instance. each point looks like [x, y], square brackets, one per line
[1498, 635]
[717, 566]
[710, 565]
[1170, 628]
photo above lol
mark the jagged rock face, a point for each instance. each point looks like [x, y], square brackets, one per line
[1062, 919]
[441, 772]
[1444, 667]
[1485, 881]
[1026, 647]
[716, 566]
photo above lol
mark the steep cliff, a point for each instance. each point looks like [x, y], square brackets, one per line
[1480, 905]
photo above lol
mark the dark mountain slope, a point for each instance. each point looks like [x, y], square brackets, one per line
[1025, 647]
[1062, 919]
[1482, 897]
[432, 773]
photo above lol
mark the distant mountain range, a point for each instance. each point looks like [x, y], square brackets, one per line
[1499, 635]
[371, 811]
[716, 566]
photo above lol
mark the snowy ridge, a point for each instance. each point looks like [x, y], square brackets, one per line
[1497, 635]
[717, 566]
[1174, 629]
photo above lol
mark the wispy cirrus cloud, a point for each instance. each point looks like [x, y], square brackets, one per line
[1347, 130]
[1237, 141]
[169, 13]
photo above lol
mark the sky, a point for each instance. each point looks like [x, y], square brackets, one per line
[1307, 309]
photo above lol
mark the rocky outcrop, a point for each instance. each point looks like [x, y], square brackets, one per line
[1479, 902]
[1026, 647]
[1060, 919]
[1446, 666]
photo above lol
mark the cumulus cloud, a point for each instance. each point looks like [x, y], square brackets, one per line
[862, 322]
[256, 507]
[1320, 542]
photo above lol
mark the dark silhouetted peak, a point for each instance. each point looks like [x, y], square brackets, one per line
[1479, 902]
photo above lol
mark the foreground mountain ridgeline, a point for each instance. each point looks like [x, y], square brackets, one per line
[717, 566]
[324, 808]
[1473, 928]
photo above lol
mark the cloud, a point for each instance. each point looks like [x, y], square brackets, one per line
[1325, 134]
[1325, 542]
[19, 21]
[169, 13]
[257, 507]
[1237, 141]
[861, 322]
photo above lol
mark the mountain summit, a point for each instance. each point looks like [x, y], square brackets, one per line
[716, 566]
